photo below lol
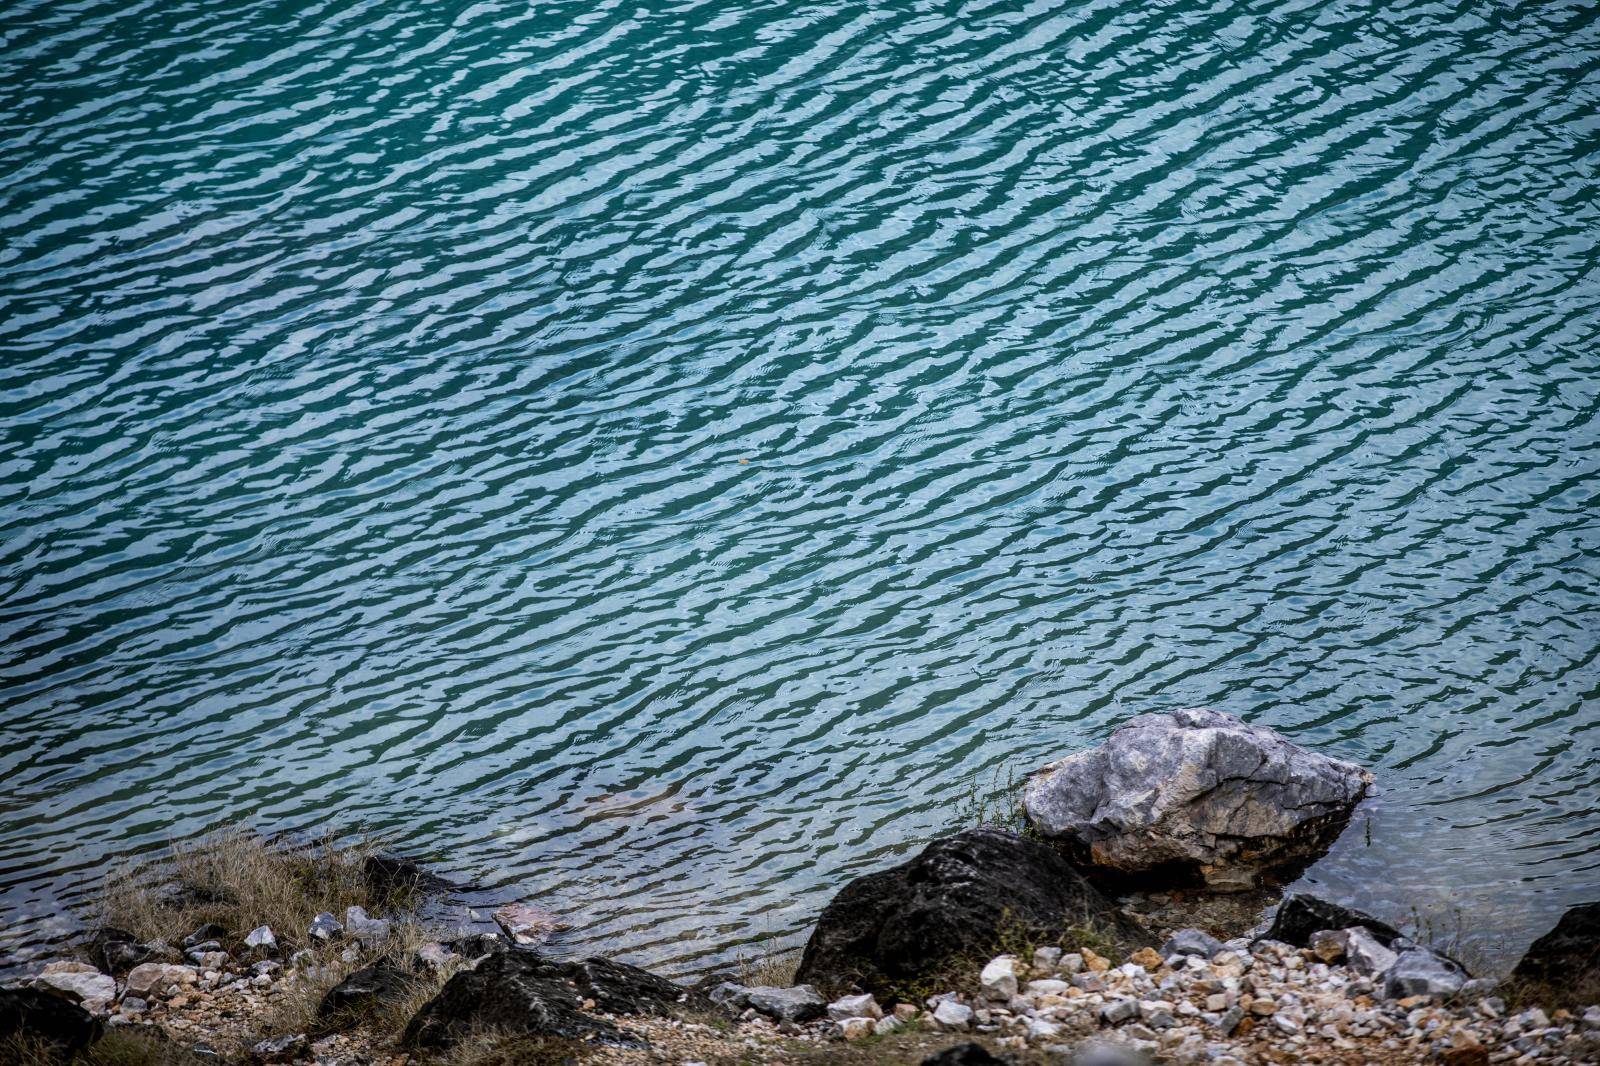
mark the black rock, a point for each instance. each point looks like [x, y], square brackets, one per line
[390, 876]
[968, 1054]
[209, 931]
[477, 945]
[1301, 915]
[1568, 956]
[949, 905]
[116, 951]
[381, 982]
[525, 994]
[26, 1012]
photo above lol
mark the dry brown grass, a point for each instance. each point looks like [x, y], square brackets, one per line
[488, 1047]
[239, 880]
[769, 964]
[119, 1047]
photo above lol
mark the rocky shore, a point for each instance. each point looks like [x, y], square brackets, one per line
[1062, 943]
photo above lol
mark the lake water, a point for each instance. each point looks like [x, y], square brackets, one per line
[657, 457]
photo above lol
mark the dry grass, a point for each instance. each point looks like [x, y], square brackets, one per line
[488, 1047]
[239, 880]
[770, 964]
[119, 1047]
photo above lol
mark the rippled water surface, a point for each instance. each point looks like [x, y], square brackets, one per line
[656, 457]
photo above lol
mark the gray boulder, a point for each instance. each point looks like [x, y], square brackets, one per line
[1191, 942]
[801, 1003]
[1195, 794]
[1420, 972]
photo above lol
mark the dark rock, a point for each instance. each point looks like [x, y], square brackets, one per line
[392, 877]
[1568, 956]
[382, 982]
[968, 1054]
[946, 905]
[525, 994]
[800, 1003]
[209, 931]
[477, 945]
[1191, 942]
[29, 1013]
[116, 951]
[1301, 915]
[1194, 795]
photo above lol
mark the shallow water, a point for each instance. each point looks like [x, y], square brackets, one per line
[657, 458]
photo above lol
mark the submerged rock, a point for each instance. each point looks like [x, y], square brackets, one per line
[1301, 915]
[524, 994]
[34, 1015]
[950, 902]
[1195, 794]
[526, 924]
[1568, 956]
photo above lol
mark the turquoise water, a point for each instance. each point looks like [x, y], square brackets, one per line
[657, 457]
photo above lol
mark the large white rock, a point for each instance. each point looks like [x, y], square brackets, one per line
[1364, 954]
[151, 979]
[1195, 791]
[82, 984]
[862, 1006]
[999, 978]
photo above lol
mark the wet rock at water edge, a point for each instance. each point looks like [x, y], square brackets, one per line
[1301, 914]
[526, 924]
[34, 1015]
[1195, 795]
[948, 903]
[1566, 960]
[368, 987]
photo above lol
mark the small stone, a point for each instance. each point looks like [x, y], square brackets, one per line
[1365, 955]
[1191, 942]
[1072, 963]
[150, 979]
[1285, 1024]
[1148, 958]
[1590, 1019]
[368, 930]
[862, 1006]
[855, 1028]
[213, 960]
[1262, 1006]
[999, 978]
[952, 1015]
[1533, 1018]
[1088, 982]
[325, 927]
[261, 939]
[904, 1012]
[266, 966]
[1119, 1010]
[1230, 1020]
[1328, 945]
[1217, 1001]
[211, 932]
[1095, 962]
[133, 1005]
[885, 1026]
[281, 1049]
[1047, 958]
[1047, 987]
[1420, 972]
[436, 956]
[1042, 1029]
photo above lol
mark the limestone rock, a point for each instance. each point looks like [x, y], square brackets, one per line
[261, 939]
[862, 1006]
[281, 1049]
[325, 927]
[150, 980]
[855, 1028]
[83, 984]
[952, 1015]
[1420, 972]
[1364, 954]
[999, 978]
[949, 902]
[1195, 793]
[801, 1003]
